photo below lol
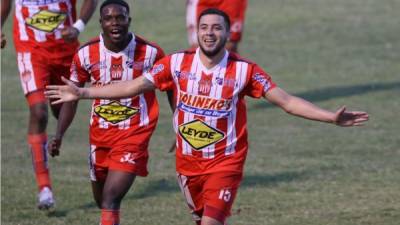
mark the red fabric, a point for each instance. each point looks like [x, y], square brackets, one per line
[109, 217]
[210, 102]
[118, 121]
[37, 143]
[128, 158]
[211, 194]
[28, 38]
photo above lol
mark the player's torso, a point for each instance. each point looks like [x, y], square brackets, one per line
[112, 120]
[39, 23]
[210, 119]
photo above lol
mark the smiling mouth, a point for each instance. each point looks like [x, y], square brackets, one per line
[116, 33]
[209, 42]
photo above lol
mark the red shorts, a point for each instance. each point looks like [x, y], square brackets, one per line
[127, 158]
[210, 195]
[234, 8]
[36, 71]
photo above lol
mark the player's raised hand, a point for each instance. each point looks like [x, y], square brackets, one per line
[53, 147]
[350, 118]
[63, 93]
[69, 34]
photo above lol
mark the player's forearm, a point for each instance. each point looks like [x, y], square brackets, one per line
[123, 89]
[302, 108]
[5, 10]
[65, 118]
[87, 9]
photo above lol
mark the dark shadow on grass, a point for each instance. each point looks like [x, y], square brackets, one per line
[156, 187]
[329, 93]
[57, 213]
[266, 180]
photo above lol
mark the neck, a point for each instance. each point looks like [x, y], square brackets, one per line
[117, 46]
[211, 61]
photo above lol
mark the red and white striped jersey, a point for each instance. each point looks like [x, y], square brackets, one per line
[38, 23]
[121, 121]
[210, 115]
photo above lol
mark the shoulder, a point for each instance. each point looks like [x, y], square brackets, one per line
[141, 41]
[190, 51]
[237, 58]
[92, 41]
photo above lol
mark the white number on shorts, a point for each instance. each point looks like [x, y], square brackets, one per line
[225, 195]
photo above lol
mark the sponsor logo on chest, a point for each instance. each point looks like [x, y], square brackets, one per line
[199, 135]
[46, 20]
[114, 112]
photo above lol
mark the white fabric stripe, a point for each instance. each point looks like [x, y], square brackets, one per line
[191, 21]
[92, 162]
[40, 36]
[21, 68]
[105, 77]
[241, 74]
[125, 101]
[216, 93]
[192, 88]
[176, 62]
[25, 66]
[151, 53]
[182, 181]
[56, 7]
[23, 36]
[29, 68]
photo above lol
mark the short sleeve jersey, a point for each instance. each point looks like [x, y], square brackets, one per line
[118, 121]
[210, 115]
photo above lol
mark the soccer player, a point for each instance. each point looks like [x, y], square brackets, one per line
[45, 38]
[120, 128]
[235, 9]
[210, 114]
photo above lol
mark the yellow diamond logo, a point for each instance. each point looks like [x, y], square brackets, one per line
[114, 112]
[199, 134]
[46, 20]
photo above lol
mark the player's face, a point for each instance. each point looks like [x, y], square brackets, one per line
[115, 20]
[212, 34]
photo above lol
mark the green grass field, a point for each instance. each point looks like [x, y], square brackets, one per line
[333, 53]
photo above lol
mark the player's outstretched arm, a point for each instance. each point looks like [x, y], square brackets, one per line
[71, 92]
[302, 108]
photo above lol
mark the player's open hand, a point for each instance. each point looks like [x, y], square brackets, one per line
[53, 147]
[63, 93]
[350, 118]
[69, 34]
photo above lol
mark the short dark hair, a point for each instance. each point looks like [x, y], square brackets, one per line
[118, 2]
[215, 11]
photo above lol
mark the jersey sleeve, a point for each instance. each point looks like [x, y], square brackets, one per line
[78, 73]
[160, 74]
[259, 83]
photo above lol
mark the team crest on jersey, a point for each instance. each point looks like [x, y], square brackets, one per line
[46, 20]
[114, 112]
[26, 76]
[204, 87]
[116, 71]
[199, 135]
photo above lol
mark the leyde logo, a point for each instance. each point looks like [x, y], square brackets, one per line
[114, 112]
[46, 20]
[199, 134]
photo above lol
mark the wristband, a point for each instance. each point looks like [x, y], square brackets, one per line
[79, 25]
